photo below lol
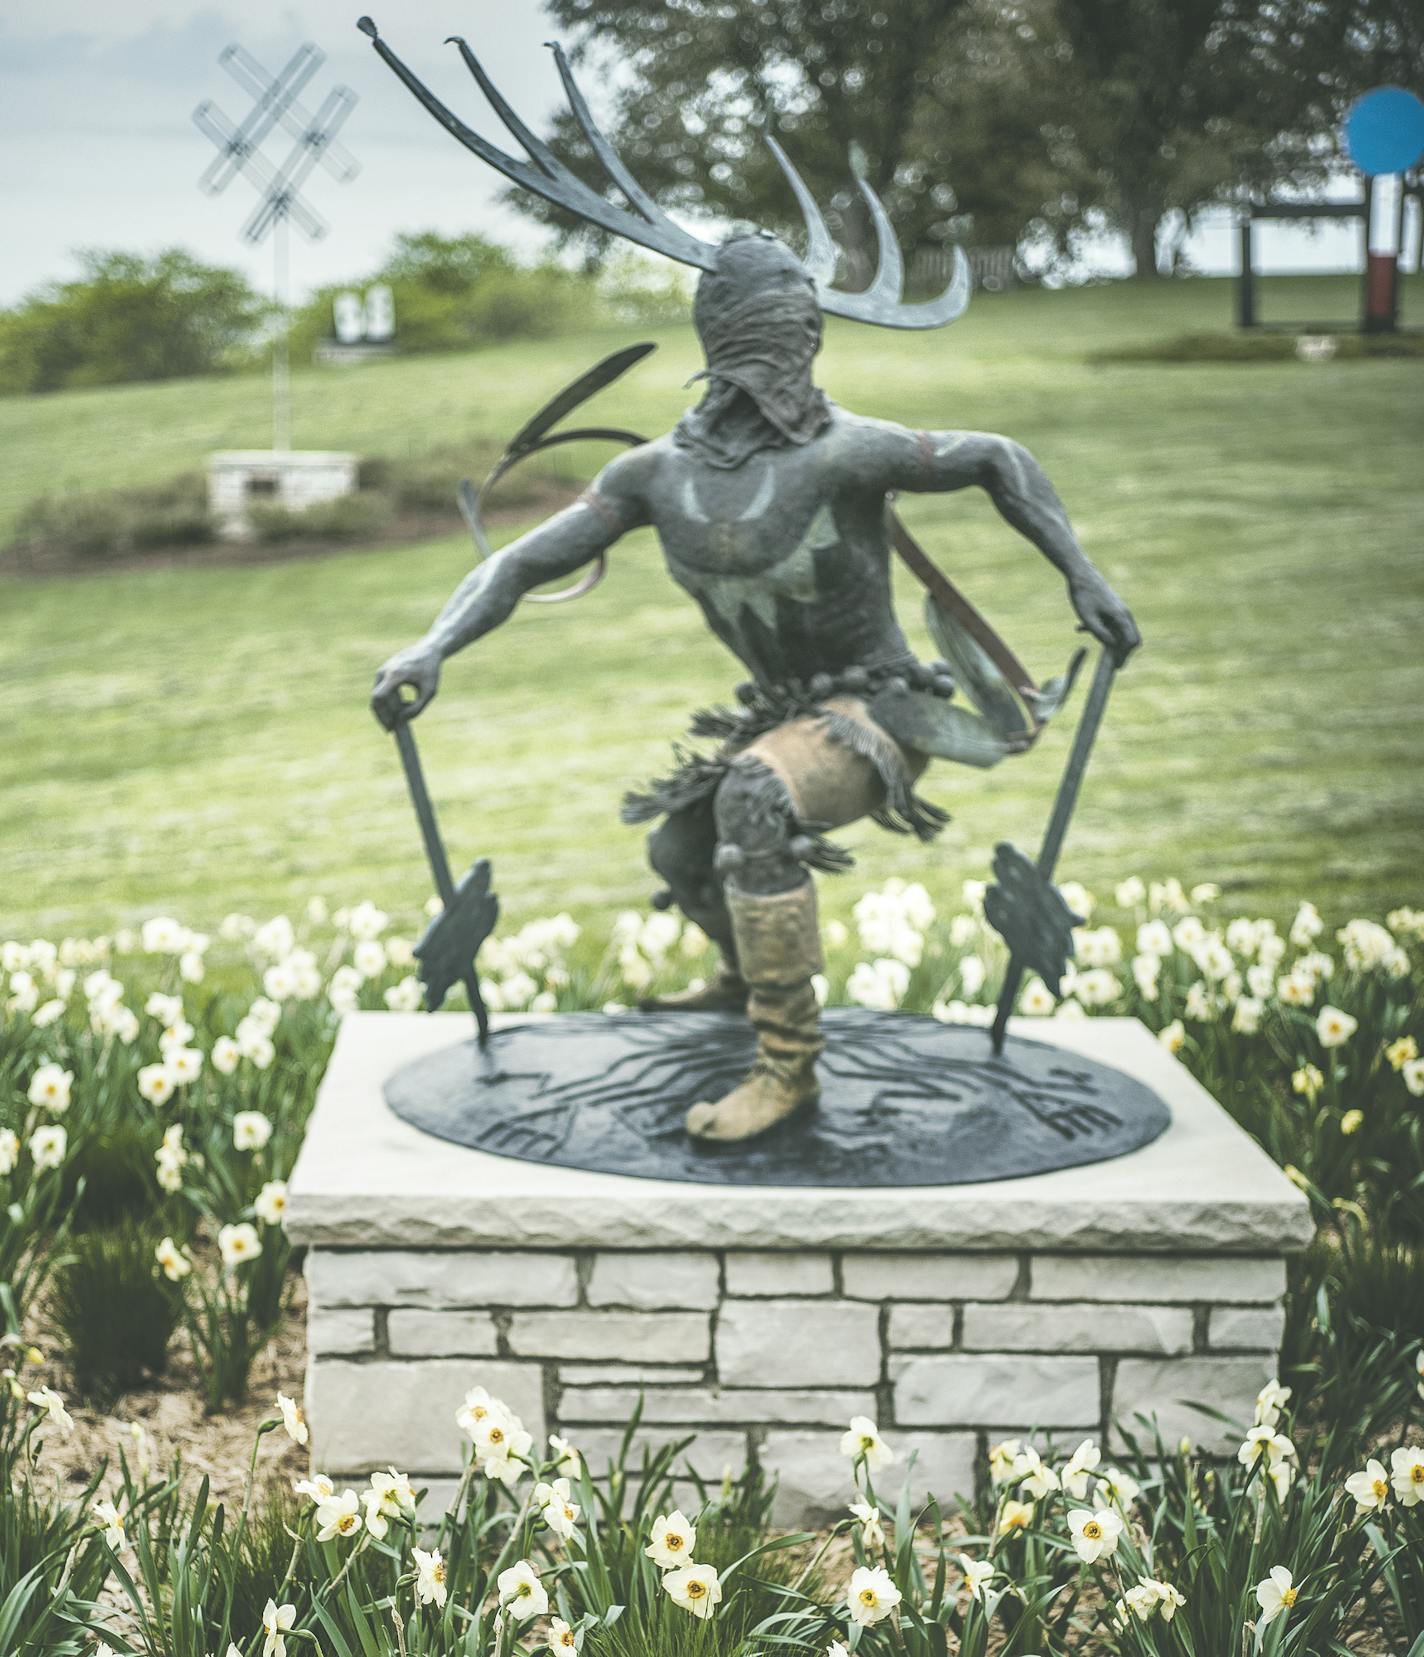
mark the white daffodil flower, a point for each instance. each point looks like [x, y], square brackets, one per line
[1370, 1488]
[1079, 1469]
[1333, 1027]
[238, 1244]
[673, 1539]
[50, 1088]
[9, 1151]
[338, 1516]
[293, 1421]
[521, 1593]
[318, 1488]
[976, 1573]
[48, 1146]
[872, 1532]
[276, 1621]
[1406, 1474]
[1264, 1443]
[1015, 1516]
[862, 1438]
[871, 1596]
[696, 1588]
[183, 1064]
[225, 1056]
[430, 1586]
[556, 1509]
[250, 1130]
[270, 1203]
[1276, 1594]
[562, 1638]
[565, 1458]
[111, 1523]
[1001, 1460]
[175, 1263]
[1173, 1036]
[49, 1400]
[1035, 1476]
[1095, 1531]
[1270, 1401]
[156, 1084]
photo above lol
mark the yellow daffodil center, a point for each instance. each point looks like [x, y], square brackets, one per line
[696, 1589]
[347, 1523]
[867, 1443]
[1380, 1488]
[496, 1435]
[1092, 1530]
[867, 1596]
[1416, 1473]
[524, 1590]
[567, 1638]
[1288, 1596]
[437, 1571]
[672, 1541]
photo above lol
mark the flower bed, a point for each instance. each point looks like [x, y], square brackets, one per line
[153, 1093]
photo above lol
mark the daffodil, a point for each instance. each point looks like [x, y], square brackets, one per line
[1276, 1594]
[338, 1516]
[270, 1203]
[1333, 1027]
[872, 1596]
[673, 1540]
[1079, 1469]
[237, 1244]
[276, 1621]
[556, 1508]
[521, 1593]
[696, 1588]
[48, 1400]
[175, 1263]
[251, 1130]
[1370, 1488]
[430, 1588]
[976, 1573]
[867, 1516]
[862, 1439]
[50, 1088]
[1095, 1531]
[1407, 1474]
[293, 1421]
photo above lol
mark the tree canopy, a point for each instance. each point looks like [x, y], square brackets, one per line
[990, 120]
[128, 317]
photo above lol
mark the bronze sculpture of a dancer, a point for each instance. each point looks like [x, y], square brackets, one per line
[770, 505]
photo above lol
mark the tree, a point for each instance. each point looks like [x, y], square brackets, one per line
[129, 318]
[454, 293]
[708, 79]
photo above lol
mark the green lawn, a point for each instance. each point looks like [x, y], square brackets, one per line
[195, 739]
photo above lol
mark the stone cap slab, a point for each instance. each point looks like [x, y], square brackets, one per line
[285, 459]
[365, 1179]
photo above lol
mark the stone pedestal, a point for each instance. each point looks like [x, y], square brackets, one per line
[764, 1318]
[295, 479]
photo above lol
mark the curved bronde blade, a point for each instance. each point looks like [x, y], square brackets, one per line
[932, 313]
[820, 257]
[577, 391]
[609, 158]
[539, 152]
[889, 283]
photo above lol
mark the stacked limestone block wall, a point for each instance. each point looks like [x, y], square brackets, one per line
[767, 1354]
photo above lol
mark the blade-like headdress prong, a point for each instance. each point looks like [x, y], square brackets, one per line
[644, 222]
[548, 177]
[609, 158]
[820, 257]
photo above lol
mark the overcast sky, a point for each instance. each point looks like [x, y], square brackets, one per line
[99, 147]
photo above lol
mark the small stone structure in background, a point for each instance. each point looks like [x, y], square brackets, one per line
[239, 479]
[763, 1319]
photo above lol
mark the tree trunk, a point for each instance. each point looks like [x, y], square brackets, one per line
[1144, 243]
